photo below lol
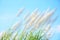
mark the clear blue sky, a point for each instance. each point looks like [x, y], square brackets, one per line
[9, 8]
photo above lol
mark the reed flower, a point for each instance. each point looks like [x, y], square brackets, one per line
[16, 25]
[20, 11]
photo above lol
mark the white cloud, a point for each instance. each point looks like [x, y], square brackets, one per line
[58, 28]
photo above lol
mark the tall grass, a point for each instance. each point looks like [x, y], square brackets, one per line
[37, 27]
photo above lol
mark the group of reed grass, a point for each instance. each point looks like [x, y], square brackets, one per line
[37, 26]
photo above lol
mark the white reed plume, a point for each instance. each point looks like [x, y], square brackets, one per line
[32, 14]
[47, 28]
[45, 17]
[45, 12]
[37, 20]
[36, 26]
[50, 33]
[16, 25]
[37, 16]
[32, 19]
[20, 11]
[33, 22]
[35, 11]
[27, 26]
[27, 15]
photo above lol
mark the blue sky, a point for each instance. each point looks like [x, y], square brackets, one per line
[9, 8]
